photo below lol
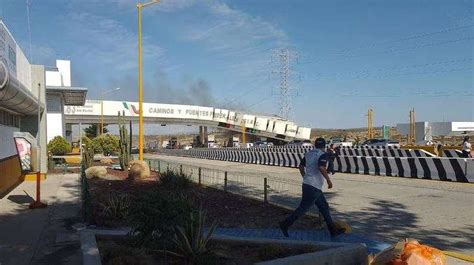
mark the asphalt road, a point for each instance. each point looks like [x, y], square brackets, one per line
[388, 208]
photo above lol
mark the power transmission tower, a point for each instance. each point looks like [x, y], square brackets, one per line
[285, 58]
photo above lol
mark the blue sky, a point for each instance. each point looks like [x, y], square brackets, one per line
[347, 55]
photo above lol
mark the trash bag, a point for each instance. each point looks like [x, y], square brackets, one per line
[415, 253]
[410, 252]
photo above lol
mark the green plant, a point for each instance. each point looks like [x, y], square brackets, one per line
[106, 144]
[124, 143]
[59, 146]
[86, 141]
[87, 152]
[85, 196]
[154, 215]
[191, 239]
[175, 181]
[116, 206]
[91, 131]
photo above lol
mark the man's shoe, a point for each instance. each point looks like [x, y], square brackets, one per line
[284, 229]
[337, 231]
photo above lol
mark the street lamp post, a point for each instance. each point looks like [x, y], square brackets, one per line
[141, 138]
[102, 108]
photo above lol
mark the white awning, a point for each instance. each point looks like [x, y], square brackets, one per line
[73, 96]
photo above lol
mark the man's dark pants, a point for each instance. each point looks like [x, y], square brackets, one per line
[311, 196]
[331, 166]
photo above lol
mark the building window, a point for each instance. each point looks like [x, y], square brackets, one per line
[9, 119]
[12, 55]
[53, 103]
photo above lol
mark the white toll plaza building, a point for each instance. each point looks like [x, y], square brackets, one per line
[24, 90]
[60, 93]
[425, 130]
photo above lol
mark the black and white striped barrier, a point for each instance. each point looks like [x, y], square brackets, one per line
[372, 147]
[386, 152]
[271, 157]
[447, 169]
[452, 153]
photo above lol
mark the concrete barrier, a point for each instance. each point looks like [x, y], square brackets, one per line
[469, 169]
[386, 152]
[452, 153]
[395, 164]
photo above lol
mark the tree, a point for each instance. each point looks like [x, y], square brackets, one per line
[106, 144]
[59, 146]
[91, 131]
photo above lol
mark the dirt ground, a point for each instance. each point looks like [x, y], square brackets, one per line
[227, 209]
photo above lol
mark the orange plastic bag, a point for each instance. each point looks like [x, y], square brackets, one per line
[415, 253]
[410, 252]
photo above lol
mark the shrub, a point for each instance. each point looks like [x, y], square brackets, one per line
[106, 144]
[191, 240]
[174, 181]
[153, 217]
[59, 146]
[138, 170]
[96, 172]
[116, 206]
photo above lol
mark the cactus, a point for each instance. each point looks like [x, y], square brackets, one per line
[124, 142]
[87, 155]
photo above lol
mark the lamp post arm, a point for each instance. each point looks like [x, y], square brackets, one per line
[149, 3]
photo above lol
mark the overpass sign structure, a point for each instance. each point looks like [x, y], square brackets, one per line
[267, 126]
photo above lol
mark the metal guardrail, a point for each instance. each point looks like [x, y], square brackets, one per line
[265, 187]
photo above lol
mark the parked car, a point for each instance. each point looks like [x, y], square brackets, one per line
[300, 143]
[213, 145]
[134, 150]
[339, 142]
[187, 147]
[381, 142]
[242, 145]
[262, 144]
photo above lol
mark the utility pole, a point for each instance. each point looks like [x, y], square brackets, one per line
[370, 128]
[141, 131]
[412, 129]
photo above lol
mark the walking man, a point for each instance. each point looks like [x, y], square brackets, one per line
[313, 170]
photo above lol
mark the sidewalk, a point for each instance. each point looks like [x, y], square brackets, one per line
[41, 236]
[373, 246]
[304, 235]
